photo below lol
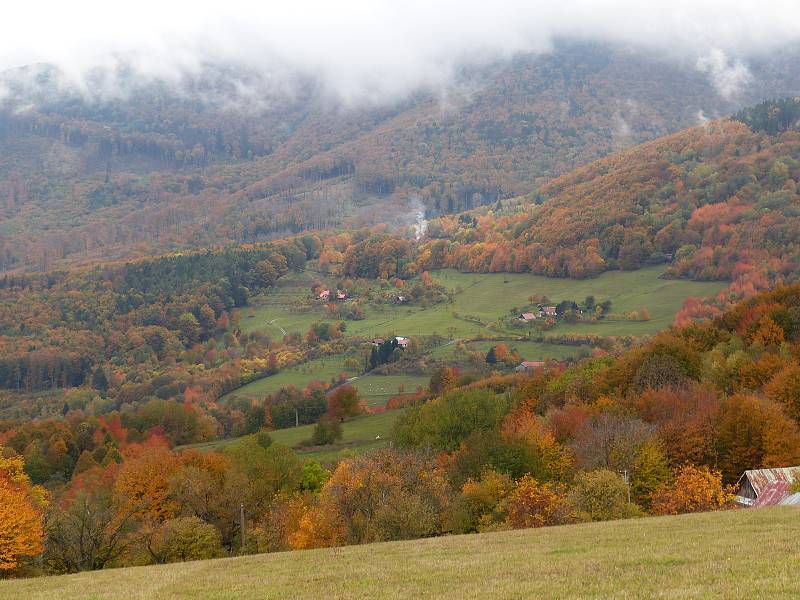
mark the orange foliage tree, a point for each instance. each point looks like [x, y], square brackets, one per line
[534, 504]
[695, 489]
[143, 483]
[21, 519]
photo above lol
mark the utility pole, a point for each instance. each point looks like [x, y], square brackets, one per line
[627, 483]
[296, 418]
[241, 516]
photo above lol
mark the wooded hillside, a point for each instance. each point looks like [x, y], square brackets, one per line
[155, 169]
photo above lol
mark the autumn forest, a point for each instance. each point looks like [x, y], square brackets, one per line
[250, 327]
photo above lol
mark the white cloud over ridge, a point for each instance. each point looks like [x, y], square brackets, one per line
[373, 49]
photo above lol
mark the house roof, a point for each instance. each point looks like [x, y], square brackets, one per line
[528, 316]
[773, 494]
[530, 364]
[790, 500]
[761, 479]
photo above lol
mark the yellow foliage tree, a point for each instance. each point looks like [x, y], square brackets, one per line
[526, 426]
[534, 504]
[769, 333]
[21, 520]
[696, 489]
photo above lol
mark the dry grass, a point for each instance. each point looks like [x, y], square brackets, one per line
[736, 554]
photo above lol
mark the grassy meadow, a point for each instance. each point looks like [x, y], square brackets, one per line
[359, 435]
[748, 553]
[320, 369]
[375, 390]
[486, 297]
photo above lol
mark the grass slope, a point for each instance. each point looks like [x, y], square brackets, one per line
[358, 436]
[488, 297]
[735, 554]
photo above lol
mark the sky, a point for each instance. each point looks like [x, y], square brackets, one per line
[376, 48]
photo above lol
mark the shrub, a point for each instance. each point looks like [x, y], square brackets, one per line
[185, 538]
[696, 489]
[534, 504]
[326, 431]
[479, 507]
[600, 496]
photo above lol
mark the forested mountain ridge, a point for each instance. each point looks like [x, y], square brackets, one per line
[85, 178]
[716, 202]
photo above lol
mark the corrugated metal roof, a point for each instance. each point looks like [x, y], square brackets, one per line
[760, 479]
[790, 500]
[772, 494]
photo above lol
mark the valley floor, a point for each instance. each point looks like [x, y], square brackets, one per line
[734, 554]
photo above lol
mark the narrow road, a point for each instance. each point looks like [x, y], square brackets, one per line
[283, 331]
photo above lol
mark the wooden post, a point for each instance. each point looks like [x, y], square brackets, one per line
[241, 516]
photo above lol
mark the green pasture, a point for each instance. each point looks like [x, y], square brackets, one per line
[360, 434]
[321, 369]
[488, 297]
[480, 302]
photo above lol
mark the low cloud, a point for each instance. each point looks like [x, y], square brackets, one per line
[729, 76]
[371, 50]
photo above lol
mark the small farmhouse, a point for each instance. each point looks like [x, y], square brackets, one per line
[402, 342]
[340, 295]
[550, 311]
[377, 341]
[526, 317]
[325, 295]
[765, 487]
[529, 365]
[400, 299]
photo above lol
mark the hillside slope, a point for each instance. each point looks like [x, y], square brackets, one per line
[715, 202]
[690, 556]
[157, 169]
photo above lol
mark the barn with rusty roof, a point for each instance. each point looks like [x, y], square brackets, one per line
[765, 487]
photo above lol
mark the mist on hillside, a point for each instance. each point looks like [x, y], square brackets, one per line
[361, 52]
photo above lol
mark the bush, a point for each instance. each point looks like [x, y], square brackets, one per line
[445, 422]
[600, 496]
[479, 507]
[534, 504]
[326, 431]
[381, 496]
[185, 538]
[696, 489]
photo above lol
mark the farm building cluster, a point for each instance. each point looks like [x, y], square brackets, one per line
[402, 342]
[540, 313]
[325, 295]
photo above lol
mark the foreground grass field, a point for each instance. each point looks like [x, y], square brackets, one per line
[735, 554]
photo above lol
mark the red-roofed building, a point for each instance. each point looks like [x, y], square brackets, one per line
[765, 487]
[530, 365]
